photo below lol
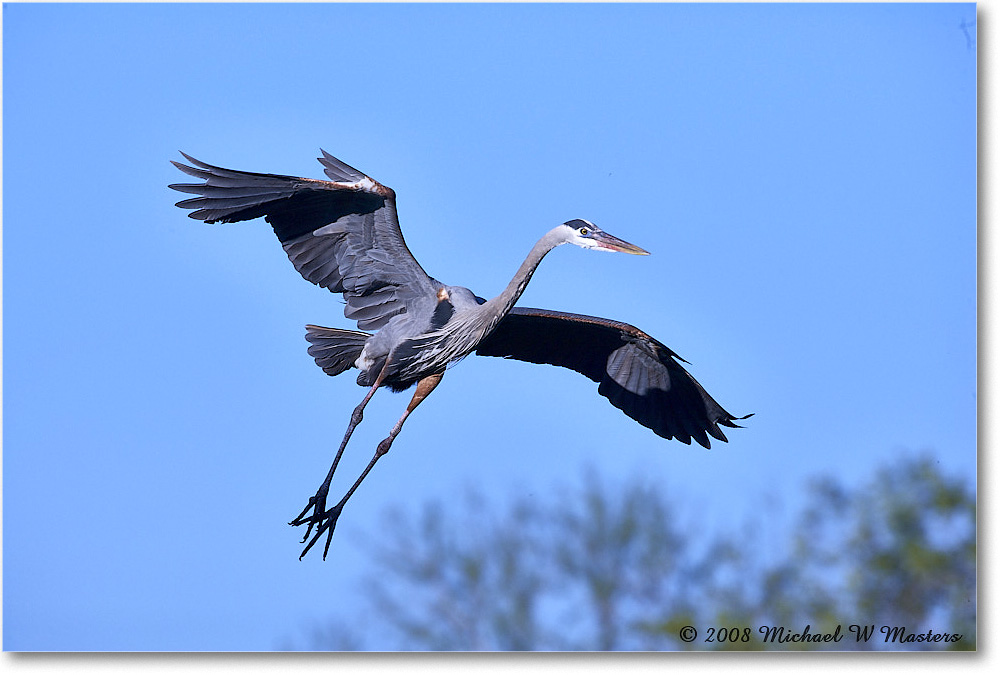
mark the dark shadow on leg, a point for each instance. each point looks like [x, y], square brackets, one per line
[329, 520]
[317, 503]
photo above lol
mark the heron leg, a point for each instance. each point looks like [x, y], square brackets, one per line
[317, 503]
[329, 520]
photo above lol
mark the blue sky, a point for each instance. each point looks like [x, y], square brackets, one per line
[804, 176]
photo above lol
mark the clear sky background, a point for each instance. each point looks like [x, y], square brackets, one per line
[804, 176]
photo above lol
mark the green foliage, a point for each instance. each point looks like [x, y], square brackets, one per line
[605, 568]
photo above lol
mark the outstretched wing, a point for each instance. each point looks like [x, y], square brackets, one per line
[340, 234]
[639, 375]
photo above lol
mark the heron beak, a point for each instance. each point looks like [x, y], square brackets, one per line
[609, 242]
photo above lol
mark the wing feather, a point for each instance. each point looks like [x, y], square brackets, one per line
[340, 234]
[638, 374]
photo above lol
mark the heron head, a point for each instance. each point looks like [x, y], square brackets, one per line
[585, 234]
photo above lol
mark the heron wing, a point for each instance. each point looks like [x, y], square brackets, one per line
[638, 374]
[341, 234]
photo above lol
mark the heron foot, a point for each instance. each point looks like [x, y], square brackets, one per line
[317, 504]
[323, 520]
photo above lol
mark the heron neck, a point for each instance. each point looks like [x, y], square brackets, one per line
[501, 305]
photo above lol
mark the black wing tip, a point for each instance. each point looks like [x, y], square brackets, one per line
[715, 432]
[189, 158]
[731, 421]
[339, 166]
[199, 170]
[189, 170]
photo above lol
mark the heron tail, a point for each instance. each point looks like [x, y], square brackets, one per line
[335, 349]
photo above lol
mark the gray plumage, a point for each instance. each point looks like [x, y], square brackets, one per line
[342, 234]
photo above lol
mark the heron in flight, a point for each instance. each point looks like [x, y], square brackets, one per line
[342, 234]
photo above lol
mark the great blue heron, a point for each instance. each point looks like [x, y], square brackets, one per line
[343, 235]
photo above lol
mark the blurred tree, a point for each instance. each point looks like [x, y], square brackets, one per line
[603, 568]
[906, 546]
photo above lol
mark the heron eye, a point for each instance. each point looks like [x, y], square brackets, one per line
[584, 231]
